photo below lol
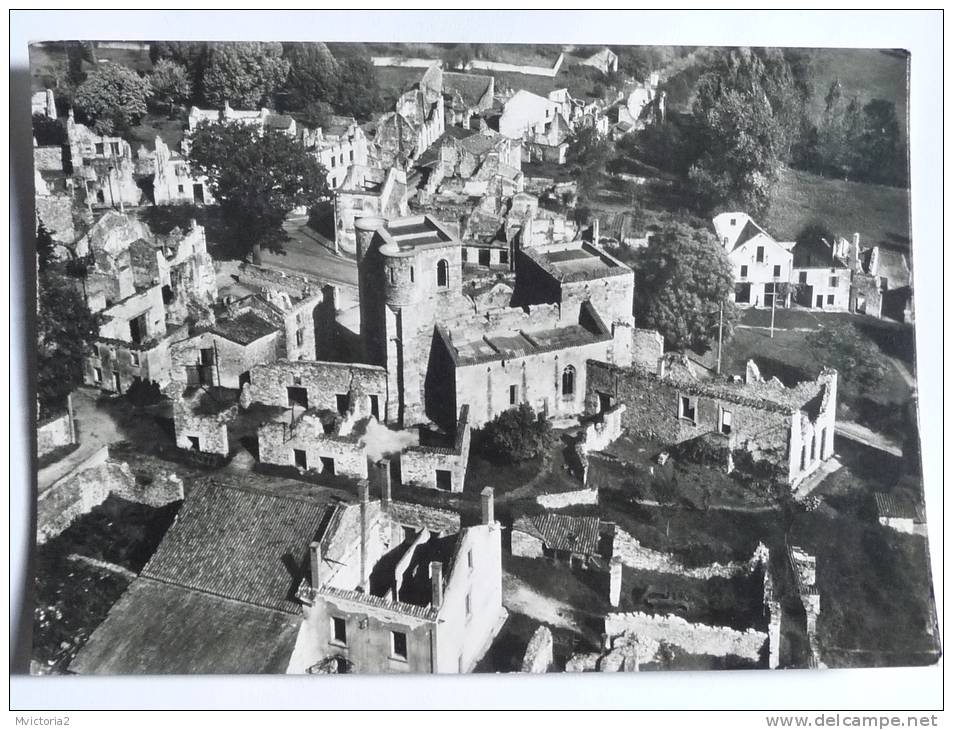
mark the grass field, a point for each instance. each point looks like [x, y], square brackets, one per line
[881, 214]
[867, 73]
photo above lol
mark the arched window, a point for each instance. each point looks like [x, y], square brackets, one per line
[569, 380]
[443, 273]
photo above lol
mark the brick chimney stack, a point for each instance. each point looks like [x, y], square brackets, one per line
[383, 476]
[362, 491]
[316, 565]
[486, 505]
[436, 583]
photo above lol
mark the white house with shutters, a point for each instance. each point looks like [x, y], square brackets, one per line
[760, 263]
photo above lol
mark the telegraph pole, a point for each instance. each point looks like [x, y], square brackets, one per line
[721, 322]
[774, 299]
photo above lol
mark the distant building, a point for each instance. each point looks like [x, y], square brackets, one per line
[418, 120]
[760, 263]
[103, 167]
[367, 191]
[338, 146]
[465, 96]
[820, 275]
[173, 182]
[605, 60]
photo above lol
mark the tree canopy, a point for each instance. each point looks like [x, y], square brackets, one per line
[588, 155]
[748, 113]
[246, 75]
[517, 434]
[113, 98]
[170, 83]
[65, 329]
[682, 279]
[258, 178]
[348, 83]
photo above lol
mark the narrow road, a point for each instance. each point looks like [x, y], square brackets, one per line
[863, 435]
[304, 252]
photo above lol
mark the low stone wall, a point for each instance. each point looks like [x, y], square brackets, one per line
[636, 556]
[690, 637]
[539, 652]
[565, 499]
[53, 434]
[90, 485]
[549, 72]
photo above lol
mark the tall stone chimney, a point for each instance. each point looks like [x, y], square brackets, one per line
[595, 230]
[615, 580]
[436, 583]
[486, 505]
[383, 478]
[362, 491]
[316, 565]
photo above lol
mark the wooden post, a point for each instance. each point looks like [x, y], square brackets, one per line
[774, 300]
[721, 321]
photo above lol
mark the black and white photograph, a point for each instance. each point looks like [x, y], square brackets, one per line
[474, 357]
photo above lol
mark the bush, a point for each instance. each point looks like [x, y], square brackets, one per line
[517, 435]
[143, 392]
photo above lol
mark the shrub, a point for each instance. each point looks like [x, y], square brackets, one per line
[143, 392]
[517, 435]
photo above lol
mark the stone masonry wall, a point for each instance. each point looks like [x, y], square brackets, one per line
[323, 381]
[277, 443]
[690, 637]
[539, 653]
[90, 485]
[53, 434]
[419, 464]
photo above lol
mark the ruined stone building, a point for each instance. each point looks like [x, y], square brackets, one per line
[820, 276]
[172, 181]
[43, 104]
[338, 146]
[442, 351]
[261, 118]
[882, 284]
[401, 588]
[144, 287]
[103, 167]
[367, 191]
[466, 96]
[789, 429]
[401, 136]
[53, 192]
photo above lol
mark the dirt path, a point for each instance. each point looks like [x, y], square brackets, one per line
[94, 429]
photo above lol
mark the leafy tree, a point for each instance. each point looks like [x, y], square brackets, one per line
[517, 434]
[113, 97]
[359, 91]
[243, 74]
[170, 83]
[882, 151]
[312, 76]
[860, 364]
[747, 111]
[588, 155]
[682, 279]
[257, 178]
[459, 55]
[65, 327]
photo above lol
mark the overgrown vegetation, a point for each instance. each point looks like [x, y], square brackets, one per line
[516, 435]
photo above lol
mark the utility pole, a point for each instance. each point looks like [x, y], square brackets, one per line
[774, 299]
[721, 322]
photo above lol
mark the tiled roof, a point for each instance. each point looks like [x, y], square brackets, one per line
[563, 532]
[157, 628]
[244, 329]
[239, 543]
[890, 506]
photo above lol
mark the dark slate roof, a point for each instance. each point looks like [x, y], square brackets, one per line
[244, 329]
[239, 543]
[157, 628]
[471, 87]
[563, 532]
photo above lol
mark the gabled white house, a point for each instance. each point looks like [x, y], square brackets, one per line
[760, 263]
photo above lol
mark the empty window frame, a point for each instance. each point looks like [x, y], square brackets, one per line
[725, 422]
[687, 407]
[398, 645]
[443, 273]
[759, 254]
[744, 272]
[834, 282]
[514, 394]
[802, 278]
[338, 630]
[777, 271]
